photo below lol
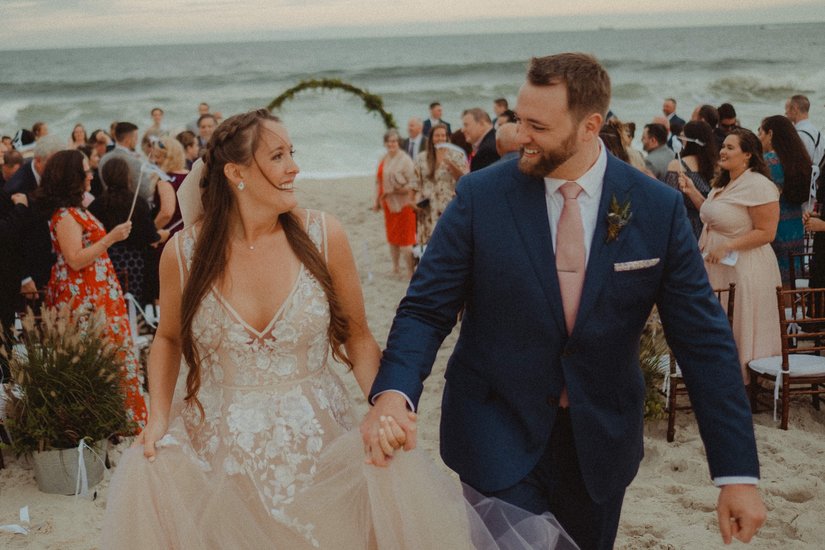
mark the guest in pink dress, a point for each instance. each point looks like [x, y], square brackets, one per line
[740, 215]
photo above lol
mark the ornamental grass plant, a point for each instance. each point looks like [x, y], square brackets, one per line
[66, 382]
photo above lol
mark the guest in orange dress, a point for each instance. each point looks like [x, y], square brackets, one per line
[394, 192]
[83, 275]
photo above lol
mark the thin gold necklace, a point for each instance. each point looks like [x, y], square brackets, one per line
[250, 246]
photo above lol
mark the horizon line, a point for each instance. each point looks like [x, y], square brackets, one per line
[346, 34]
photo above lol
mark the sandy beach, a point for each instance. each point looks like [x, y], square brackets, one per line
[671, 503]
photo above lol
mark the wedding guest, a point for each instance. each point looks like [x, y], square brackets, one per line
[659, 155]
[436, 112]
[191, 148]
[416, 141]
[12, 161]
[796, 109]
[14, 219]
[126, 139]
[38, 256]
[727, 123]
[83, 276]
[478, 129]
[693, 171]
[610, 135]
[94, 164]
[637, 159]
[790, 171]
[500, 107]
[507, 145]
[707, 113]
[669, 110]
[437, 169]
[6, 141]
[206, 126]
[78, 137]
[203, 109]
[393, 195]
[157, 128]
[113, 208]
[40, 129]
[168, 154]
[740, 216]
[101, 141]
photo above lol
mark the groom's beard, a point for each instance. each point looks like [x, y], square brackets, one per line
[548, 161]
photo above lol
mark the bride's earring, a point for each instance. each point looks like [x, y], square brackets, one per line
[241, 186]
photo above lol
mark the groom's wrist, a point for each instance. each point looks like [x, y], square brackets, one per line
[410, 404]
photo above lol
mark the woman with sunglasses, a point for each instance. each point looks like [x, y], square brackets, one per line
[694, 168]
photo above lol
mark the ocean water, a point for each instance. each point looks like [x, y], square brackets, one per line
[754, 67]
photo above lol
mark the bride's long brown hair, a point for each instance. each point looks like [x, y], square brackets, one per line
[235, 141]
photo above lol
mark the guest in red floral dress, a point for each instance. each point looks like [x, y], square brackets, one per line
[83, 275]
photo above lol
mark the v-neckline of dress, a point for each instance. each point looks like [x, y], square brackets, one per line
[240, 320]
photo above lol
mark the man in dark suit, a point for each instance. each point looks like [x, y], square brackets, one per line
[38, 256]
[14, 220]
[436, 112]
[669, 110]
[417, 141]
[557, 260]
[478, 129]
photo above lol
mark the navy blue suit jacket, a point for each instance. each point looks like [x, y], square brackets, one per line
[491, 252]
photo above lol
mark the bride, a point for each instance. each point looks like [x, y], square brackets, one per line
[256, 446]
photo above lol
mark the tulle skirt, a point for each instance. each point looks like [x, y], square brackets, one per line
[179, 502]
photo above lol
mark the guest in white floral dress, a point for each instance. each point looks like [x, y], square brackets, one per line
[255, 448]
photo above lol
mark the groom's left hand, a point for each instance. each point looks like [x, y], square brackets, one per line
[741, 512]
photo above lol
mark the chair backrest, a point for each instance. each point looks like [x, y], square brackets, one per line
[802, 325]
[727, 297]
[799, 268]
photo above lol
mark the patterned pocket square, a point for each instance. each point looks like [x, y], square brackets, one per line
[634, 265]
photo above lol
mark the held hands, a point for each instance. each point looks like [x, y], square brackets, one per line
[150, 435]
[120, 232]
[387, 427]
[741, 512]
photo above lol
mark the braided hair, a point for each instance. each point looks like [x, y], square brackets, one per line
[235, 141]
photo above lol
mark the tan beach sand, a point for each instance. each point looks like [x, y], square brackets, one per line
[670, 504]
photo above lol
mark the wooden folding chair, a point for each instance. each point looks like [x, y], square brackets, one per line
[800, 370]
[799, 264]
[674, 382]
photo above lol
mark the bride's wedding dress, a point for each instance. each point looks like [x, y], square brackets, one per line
[277, 461]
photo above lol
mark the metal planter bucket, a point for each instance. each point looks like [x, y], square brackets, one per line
[56, 471]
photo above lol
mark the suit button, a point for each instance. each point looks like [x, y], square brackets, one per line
[568, 352]
[553, 401]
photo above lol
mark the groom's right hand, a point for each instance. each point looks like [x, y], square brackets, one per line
[388, 404]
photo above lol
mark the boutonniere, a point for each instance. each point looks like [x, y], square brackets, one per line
[618, 217]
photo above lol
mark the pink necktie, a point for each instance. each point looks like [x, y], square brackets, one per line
[570, 260]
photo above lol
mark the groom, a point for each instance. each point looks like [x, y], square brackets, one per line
[557, 259]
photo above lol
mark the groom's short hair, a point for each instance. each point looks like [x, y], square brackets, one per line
[586, 80]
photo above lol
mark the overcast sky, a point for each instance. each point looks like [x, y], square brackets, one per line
[33, 24]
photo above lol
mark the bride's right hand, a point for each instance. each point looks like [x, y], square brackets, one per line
[150, 435]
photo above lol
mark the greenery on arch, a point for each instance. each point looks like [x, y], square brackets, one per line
[373, 103]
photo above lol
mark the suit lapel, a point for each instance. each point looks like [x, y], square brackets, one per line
[529, 208]
[602, 253]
